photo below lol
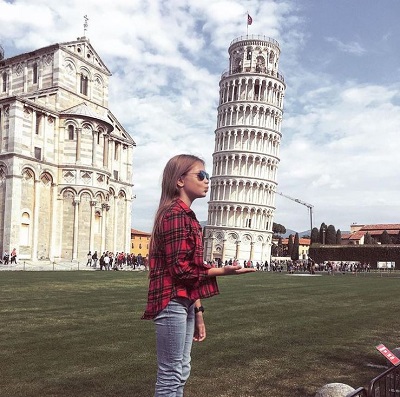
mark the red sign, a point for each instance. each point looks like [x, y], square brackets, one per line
[388, 354]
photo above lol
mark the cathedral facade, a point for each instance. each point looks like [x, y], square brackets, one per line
[246, 153]
[65, 160]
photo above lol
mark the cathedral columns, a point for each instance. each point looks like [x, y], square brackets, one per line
[1, 128]
[223, 249]
[36, 220]
[33, 128]
[92, 220]
[128, 169]
[105, 152]
[43, 131]
[12, 212]
[237, 253]
[252, 250]
[128, 204]
[76, 228]
[94, 138]
[78, 144]
[111, 151]
[114, 240]
[212, 238]
[53, 226]
[105, 208]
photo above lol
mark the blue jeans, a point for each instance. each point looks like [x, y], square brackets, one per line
[174, 334]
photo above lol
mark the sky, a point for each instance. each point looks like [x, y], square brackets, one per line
[341, 62]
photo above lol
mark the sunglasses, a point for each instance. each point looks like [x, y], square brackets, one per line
[201, 175]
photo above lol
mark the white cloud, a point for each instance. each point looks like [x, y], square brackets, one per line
[352, 47]
[344, 151]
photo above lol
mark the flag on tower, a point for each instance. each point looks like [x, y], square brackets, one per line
[249, 19]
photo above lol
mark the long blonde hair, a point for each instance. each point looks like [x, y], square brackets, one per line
[174, 169]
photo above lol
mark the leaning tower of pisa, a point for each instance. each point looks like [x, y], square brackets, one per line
[246, 153]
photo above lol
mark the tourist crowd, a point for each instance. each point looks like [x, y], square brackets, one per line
[116, 261]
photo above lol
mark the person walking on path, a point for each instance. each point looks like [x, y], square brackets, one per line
[107, 261]
[13, 256]
[179, 277]
[89, 259]
[94, 259]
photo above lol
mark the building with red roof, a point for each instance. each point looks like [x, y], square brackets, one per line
[304, 246]
[140, 242]
[358, 232]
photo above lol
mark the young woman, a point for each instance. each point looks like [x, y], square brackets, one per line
[179, 278]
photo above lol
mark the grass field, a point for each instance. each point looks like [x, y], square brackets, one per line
[80, 334]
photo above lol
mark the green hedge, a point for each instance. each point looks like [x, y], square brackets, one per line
[363, 253]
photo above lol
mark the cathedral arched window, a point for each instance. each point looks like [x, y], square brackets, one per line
[71, 132]
[25, 229]
[46, 179]
[116, 150]
[38, 125]
[100, 132]
[28, 175]
[35, 73]
[4, 78]
[84, 84]
[2, 175]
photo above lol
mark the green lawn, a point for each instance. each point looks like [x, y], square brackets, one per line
[80, 334]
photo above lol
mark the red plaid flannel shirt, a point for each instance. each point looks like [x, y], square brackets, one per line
[177, 268]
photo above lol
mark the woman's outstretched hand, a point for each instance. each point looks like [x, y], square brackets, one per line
[230, 270]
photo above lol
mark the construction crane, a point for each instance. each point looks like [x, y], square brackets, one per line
[309, 206]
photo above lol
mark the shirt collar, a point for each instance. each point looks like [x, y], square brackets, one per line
[184, 206]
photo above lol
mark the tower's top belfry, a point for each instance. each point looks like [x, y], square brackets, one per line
[254, 54]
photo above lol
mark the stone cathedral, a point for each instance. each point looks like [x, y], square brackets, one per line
[65, 160]
[246, 153]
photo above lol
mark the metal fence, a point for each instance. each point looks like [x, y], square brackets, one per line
[360, 392]
[387, 384]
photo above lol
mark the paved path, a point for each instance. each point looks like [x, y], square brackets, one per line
[43, 266]
[49, 266]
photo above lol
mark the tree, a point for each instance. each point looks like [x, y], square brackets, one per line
[338, 237]
[322, 231]
[290, 245]
[367, 238]
[315, 235]
[295, 251]
[278, 229]
[385, 238]
[330, 237]
[280, 247]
